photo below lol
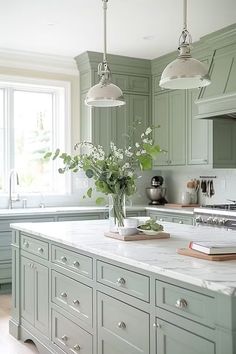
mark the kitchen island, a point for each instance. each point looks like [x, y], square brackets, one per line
[76, 291]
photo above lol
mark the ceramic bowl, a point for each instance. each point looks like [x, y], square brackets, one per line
[149, 232]
[127, 231]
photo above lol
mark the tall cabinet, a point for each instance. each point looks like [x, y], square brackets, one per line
[103, 125]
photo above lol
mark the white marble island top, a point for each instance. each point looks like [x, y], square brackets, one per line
[157, 256]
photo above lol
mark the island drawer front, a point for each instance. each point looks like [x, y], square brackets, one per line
[69, 336]
[124, 280]
[187, 303]
[34, 246]
[74, 261]
[125, 325]
[73, 296]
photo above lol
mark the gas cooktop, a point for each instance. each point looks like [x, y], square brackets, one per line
[221, 206]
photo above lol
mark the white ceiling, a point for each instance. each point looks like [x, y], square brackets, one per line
[70, 27]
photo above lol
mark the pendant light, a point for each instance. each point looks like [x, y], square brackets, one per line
[185, 72]
[104, 94]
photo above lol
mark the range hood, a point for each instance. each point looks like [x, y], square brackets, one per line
[223, 107]
[218, 100]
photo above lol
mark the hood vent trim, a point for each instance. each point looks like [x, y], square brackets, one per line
[223, 106]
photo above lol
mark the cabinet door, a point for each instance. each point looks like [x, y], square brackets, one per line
[138, 112]
[119, 120]
[199, 131]
[171, 339]
[102, 126]
[41, 283]
[161, 135]
[177, 127]
[27, 290]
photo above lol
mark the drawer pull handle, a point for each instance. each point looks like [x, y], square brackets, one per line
[40, 250]
[76, 302]
[121, 281]
[76, 264]
[77, 347]
[64, 338]
[121, 325]
[26, 244]
[64, 294]
[181, 304]
[64, 259]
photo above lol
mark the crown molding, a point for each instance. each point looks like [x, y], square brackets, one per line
[38, 62]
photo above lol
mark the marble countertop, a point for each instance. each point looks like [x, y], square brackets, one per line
[158, 256]
[87, 209]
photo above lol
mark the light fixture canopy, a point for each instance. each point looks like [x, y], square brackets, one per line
[185, 72]
[105, 93]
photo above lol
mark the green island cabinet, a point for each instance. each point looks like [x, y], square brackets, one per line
[70, 301]
[5, 234]
[103, 125]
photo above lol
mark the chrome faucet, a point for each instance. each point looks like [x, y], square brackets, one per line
[13, 177]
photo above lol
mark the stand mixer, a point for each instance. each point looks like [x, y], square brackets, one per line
[156, 193]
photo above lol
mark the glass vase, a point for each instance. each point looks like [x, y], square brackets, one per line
[117, 211]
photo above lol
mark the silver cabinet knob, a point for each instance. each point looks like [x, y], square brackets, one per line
[76, 347]
[156, 325]
[121, 325]
[181, 222]
[40, 250]
[26, 244]
[120, 281]
[181, 304]
[64, 338]
[63, 259]
[76, 264]
[76, 302]
[63, 294]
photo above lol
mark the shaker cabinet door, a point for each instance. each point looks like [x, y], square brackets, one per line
[27, 290]
[171, 339]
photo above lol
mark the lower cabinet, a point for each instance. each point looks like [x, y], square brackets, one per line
[101, 311]
[121, 327]
[171, 339]
[35, 294]
[171, 217]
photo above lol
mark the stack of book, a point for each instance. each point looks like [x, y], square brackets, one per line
[213, 247]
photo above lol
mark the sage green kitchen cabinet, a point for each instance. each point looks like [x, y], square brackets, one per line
[103, 125]
[111, 307]
[35, 294]
[169, 112]
[171, 339]
[171, 217]
[199, 134]
[224, 143]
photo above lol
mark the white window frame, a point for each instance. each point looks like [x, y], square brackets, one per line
[61, 134]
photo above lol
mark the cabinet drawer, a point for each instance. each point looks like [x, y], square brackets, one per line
[70, 337]
[139, 84]
[124, 280]
[34, 246]
[5, 254]
[187, 303]
[126, 326]
[73, 296]
[74, 261]
[179, 220]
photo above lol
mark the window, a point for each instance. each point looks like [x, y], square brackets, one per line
[34, 119]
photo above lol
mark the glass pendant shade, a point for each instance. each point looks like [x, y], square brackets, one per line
[108, 95]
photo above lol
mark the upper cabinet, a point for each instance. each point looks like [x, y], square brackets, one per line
[103, 125]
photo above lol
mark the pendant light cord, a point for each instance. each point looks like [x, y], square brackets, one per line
[105, 29]
[185, 15]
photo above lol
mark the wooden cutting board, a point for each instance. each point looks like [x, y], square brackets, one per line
[216, 257]
[176, 205]
[137, 237]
